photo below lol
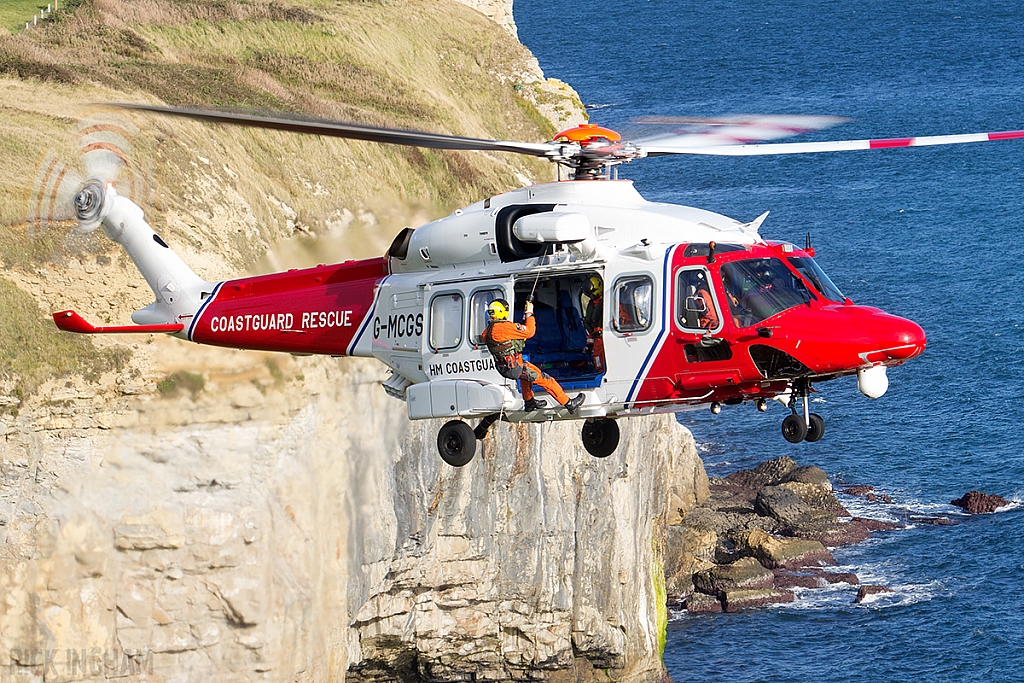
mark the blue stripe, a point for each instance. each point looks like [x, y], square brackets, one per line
[366, 321]
[664, 321]
[209, 300]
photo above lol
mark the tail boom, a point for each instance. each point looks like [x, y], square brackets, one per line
[320, 310]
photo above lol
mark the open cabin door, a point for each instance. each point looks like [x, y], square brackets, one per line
[560, 347]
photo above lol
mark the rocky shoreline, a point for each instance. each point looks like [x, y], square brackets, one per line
[760, 534]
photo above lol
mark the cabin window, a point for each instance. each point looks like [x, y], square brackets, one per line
[697, 307]
[634, 298]
[446, 322]
[759, 288]
[816, 276]
[478, 313]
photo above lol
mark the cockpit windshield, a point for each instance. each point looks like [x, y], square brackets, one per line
[759, 288]
[816, 276]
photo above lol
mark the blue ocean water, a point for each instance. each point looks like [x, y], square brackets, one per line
[933, 234]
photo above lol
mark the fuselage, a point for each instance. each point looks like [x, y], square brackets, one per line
[774, 316]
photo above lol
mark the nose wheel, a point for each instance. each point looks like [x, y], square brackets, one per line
[807, 427]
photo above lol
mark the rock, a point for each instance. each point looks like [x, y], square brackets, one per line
[744, 573]
[817, 497]
[735, 600]
[701, 603]
[688, 550]
[867, 589]
[808, 474]
[858, 490]
[934, 520]
[834, 577]
[790, 553]
[876, 524]
[976, 502]
[832, 533]
[782, 504]
[768, 473]
[787, 579]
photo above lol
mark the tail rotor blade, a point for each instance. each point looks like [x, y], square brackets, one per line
[105, 144]
[53, 194]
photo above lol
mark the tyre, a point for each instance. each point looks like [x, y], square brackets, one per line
[600, 436]
[815, 428]
[794, 429]
[456, 443]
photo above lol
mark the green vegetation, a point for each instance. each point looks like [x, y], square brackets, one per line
[32, 350]
[14, 13]
[660, 595]
[182, 380]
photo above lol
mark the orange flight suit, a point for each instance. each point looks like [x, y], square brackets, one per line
[505, 331]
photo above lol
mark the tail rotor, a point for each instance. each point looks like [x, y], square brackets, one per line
[64, 192]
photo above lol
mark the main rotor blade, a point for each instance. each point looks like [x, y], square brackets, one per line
[353, 131]
[832, 146]
[690, 132]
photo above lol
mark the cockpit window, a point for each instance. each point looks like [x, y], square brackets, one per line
[759, 288]
[816, 276]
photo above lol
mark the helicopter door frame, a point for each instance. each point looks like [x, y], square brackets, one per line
[681, 301]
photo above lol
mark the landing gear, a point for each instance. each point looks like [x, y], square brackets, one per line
[600, 436]
[807, 427]
[456, 442]
[815, 428]
[794, 429]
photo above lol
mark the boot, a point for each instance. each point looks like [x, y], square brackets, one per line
[573, 404]
[533, 404]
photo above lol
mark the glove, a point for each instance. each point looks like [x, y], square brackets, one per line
[528, 308]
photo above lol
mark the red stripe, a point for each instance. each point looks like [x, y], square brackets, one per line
[891, 142]
[1007, 135]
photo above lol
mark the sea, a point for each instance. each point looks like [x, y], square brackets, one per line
[934, 234]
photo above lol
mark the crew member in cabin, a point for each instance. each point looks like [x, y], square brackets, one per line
[593, 319]
[505, 340]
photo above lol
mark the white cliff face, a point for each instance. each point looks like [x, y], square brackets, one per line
[292, 522]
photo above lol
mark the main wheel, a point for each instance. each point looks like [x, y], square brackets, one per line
[815, 428]
[456, 443]
[600, 436]
[794, 429]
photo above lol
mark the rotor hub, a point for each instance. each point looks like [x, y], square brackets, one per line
[89, 203]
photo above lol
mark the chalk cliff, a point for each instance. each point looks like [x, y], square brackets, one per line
[289, 520]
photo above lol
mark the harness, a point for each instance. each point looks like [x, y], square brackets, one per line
[508, 355]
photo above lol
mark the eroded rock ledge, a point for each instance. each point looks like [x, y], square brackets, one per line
[761, 533]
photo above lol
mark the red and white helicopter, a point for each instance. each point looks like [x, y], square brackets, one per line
[698, 308]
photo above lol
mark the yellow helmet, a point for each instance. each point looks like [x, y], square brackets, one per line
[497, 310]
[594, 287]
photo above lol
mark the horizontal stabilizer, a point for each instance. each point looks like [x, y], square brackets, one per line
[69, 321]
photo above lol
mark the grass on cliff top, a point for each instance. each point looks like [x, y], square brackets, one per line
[33, 350]
[434, 65]
[14, 13]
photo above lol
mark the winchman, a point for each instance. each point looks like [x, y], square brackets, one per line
[593, 320]
[505, 340]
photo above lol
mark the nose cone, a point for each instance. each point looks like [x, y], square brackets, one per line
[908, 339]
[845, 338]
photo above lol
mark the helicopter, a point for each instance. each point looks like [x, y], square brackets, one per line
[697, 308]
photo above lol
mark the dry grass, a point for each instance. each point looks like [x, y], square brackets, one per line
[32, 351]
[229, 194]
